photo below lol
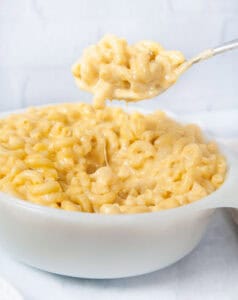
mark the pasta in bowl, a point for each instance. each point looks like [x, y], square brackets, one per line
[95, 245]
[76, 157]
[106, 164]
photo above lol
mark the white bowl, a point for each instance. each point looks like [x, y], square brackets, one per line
[108, 246]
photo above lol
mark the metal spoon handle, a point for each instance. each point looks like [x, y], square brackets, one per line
[231, 45]
[226, 47]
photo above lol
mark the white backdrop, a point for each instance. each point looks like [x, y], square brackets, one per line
[40, 39]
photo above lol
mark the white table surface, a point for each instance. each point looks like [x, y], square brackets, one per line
[209, 272]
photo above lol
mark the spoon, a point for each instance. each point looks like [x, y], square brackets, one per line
[231, 45]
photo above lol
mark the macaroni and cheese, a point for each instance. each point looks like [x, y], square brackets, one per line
[94, 159]
[76, 157]
[114, 70]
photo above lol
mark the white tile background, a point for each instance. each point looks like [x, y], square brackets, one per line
[39, 40]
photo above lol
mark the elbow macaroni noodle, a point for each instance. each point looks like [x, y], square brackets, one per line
[79, 158]
[114, 70]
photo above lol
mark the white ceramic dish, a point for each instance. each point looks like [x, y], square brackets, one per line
[108, 246]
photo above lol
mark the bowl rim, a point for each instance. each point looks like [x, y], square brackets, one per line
[205, 203]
